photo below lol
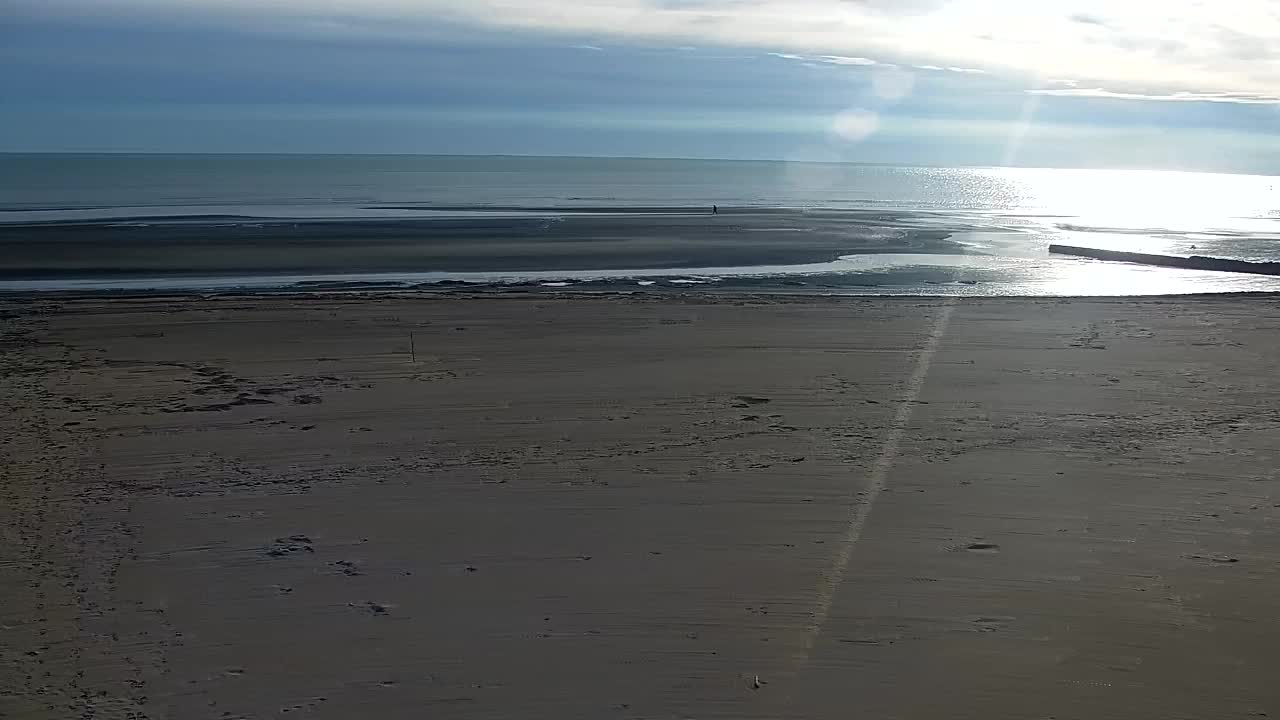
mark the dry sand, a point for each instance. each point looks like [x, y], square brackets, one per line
[639, 507]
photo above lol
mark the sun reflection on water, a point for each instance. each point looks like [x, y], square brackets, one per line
[1150, 200]
[1091, 278]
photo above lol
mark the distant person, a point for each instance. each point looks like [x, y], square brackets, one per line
[715, 209]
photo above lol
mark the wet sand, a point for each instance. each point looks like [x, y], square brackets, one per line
[639, 507]
[495, 242]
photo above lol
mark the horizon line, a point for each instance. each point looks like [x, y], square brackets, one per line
[531, 156]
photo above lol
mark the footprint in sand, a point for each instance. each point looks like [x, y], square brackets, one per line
[1215, 558]
[290, 545]
[372, 607]
[991, 624]
[348, 568]
[976, 547]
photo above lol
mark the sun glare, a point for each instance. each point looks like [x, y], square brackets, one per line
[1149, 200]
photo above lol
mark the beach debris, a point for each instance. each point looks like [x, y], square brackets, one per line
[757, 683]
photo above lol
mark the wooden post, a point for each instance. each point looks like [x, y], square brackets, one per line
[413, 348]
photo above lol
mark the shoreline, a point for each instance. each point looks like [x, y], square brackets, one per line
[814, 292]
[922, 250]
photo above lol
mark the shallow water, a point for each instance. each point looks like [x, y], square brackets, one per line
[102, 222]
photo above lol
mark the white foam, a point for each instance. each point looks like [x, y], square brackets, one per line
[1046, 276]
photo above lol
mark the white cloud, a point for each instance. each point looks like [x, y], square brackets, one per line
[1217, 97]
[845, 60]
[819, 61]
[951, 68]
[1143, 47]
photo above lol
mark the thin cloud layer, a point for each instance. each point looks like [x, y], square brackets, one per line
[1139, 47]
[1237, 98]
[868, 62]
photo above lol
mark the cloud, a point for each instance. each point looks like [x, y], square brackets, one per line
[815, 61]
[1215, 97]
[900, 7]
[845, 60]
[828, 59]
[1087, 19]
[1155, 47]
[592, 48]
[937, 68]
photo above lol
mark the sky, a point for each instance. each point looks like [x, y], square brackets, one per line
[1177, 84]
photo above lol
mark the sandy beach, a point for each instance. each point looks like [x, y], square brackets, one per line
[639, 506]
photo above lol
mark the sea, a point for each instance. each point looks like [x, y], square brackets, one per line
[116, 223]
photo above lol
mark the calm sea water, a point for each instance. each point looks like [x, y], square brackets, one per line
[997, 221]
